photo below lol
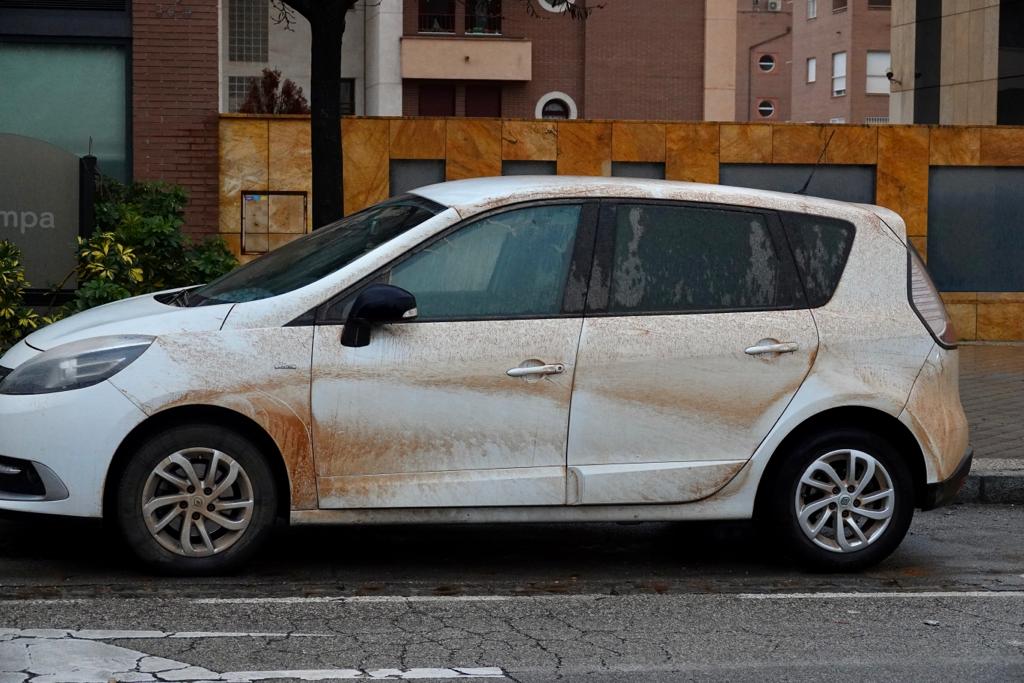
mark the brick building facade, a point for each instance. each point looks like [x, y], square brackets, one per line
[174, 101]
[619, 63]
[818, 61]
[764, 61]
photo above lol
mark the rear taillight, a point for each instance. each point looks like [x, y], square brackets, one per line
[926, 302]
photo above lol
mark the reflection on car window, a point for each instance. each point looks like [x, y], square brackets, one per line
[321, 253]
[511, 264]
[673, 258]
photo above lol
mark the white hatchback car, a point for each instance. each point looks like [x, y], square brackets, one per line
[511, 350]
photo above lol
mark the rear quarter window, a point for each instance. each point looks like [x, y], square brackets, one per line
[821, 247]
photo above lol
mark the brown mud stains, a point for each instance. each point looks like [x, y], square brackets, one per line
[284, 423]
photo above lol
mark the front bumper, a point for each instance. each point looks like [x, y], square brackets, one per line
[943, 492]
[72, 437]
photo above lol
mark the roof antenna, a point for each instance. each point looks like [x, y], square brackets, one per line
[803, 190]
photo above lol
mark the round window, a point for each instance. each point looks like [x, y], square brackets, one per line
[557, 6]
[555, 109]
[766, 62]
[765, 108]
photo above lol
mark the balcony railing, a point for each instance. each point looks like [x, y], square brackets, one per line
[435, 22]
[484, 24]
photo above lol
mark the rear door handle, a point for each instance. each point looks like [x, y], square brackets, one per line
[554, 369]
[771, 346]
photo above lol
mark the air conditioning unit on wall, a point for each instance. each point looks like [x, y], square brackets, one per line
[774, 5]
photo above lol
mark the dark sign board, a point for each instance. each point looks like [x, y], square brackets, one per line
[39, 208]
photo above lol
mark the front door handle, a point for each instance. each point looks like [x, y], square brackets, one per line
[553, 369]
[771, 346]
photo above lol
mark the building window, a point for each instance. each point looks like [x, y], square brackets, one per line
[72, 96]
[248, 23]
[766, 109]
[556, 105]
[878, 66]
[839, 5]
[837, 119]
[483, 100]
[556, 6]
[838, 74]
[812, 9]
[437, 99]
[348, 96]
[483, 16]
[555, 109]
[766, 63]
[1010, 86]
[812, 69]
[238, 90]
[880, 4]
[437, 16]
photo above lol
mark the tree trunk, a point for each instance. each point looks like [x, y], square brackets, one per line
[327, 25]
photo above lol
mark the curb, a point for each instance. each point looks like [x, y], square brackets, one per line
[999, 482]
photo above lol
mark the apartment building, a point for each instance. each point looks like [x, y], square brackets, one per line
[256, 35]
[821, 61]
[958, 61]
[661, 60]
[764, 60]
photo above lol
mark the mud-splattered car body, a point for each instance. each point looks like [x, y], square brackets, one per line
[656, 414]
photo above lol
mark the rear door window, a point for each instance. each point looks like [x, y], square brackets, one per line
[820, 248]
[677, 259]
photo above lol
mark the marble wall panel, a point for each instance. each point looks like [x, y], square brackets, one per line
[243, 160]
[691, 152]
[529, 140]
[365, 162]
[473, 148]
[584, 148]
[745, 143]
[632, 141]
[902, 174]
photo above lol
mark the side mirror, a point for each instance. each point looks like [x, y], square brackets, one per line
[376, 305]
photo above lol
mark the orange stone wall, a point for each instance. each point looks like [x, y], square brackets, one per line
[259, 153]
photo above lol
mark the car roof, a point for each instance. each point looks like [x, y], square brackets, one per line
[480, 194]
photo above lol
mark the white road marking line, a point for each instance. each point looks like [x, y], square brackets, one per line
[299, 600]
[111, 634]
[886, 594]
[351, 674]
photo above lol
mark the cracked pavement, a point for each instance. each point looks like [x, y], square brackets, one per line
[596, 603]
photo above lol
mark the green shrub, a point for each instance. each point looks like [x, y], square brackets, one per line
[16, 319]
[140, 247]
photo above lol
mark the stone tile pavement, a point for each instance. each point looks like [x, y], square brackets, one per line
[992, 393]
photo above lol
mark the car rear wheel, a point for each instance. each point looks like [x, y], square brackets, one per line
[842, 501]
[196, 499]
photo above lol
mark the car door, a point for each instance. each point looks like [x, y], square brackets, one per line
[696, 339]
[468, 405]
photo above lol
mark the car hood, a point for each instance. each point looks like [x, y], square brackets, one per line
[138, 315]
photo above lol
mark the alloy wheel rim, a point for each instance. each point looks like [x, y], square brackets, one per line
[197, 502]
[845, 501]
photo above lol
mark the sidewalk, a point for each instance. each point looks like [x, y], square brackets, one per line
[992, 393]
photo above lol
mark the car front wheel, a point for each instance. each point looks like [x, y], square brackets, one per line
[842, 501]
[196, 499]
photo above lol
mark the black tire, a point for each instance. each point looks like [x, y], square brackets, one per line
[779, 515]
[258, 480]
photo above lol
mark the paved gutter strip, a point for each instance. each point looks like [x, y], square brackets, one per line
[992, 480]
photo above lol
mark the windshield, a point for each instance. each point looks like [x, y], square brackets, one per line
[316, 255]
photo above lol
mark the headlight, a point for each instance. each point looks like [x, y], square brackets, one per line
[76, 365]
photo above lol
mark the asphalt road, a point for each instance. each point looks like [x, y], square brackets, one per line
[650, 602]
